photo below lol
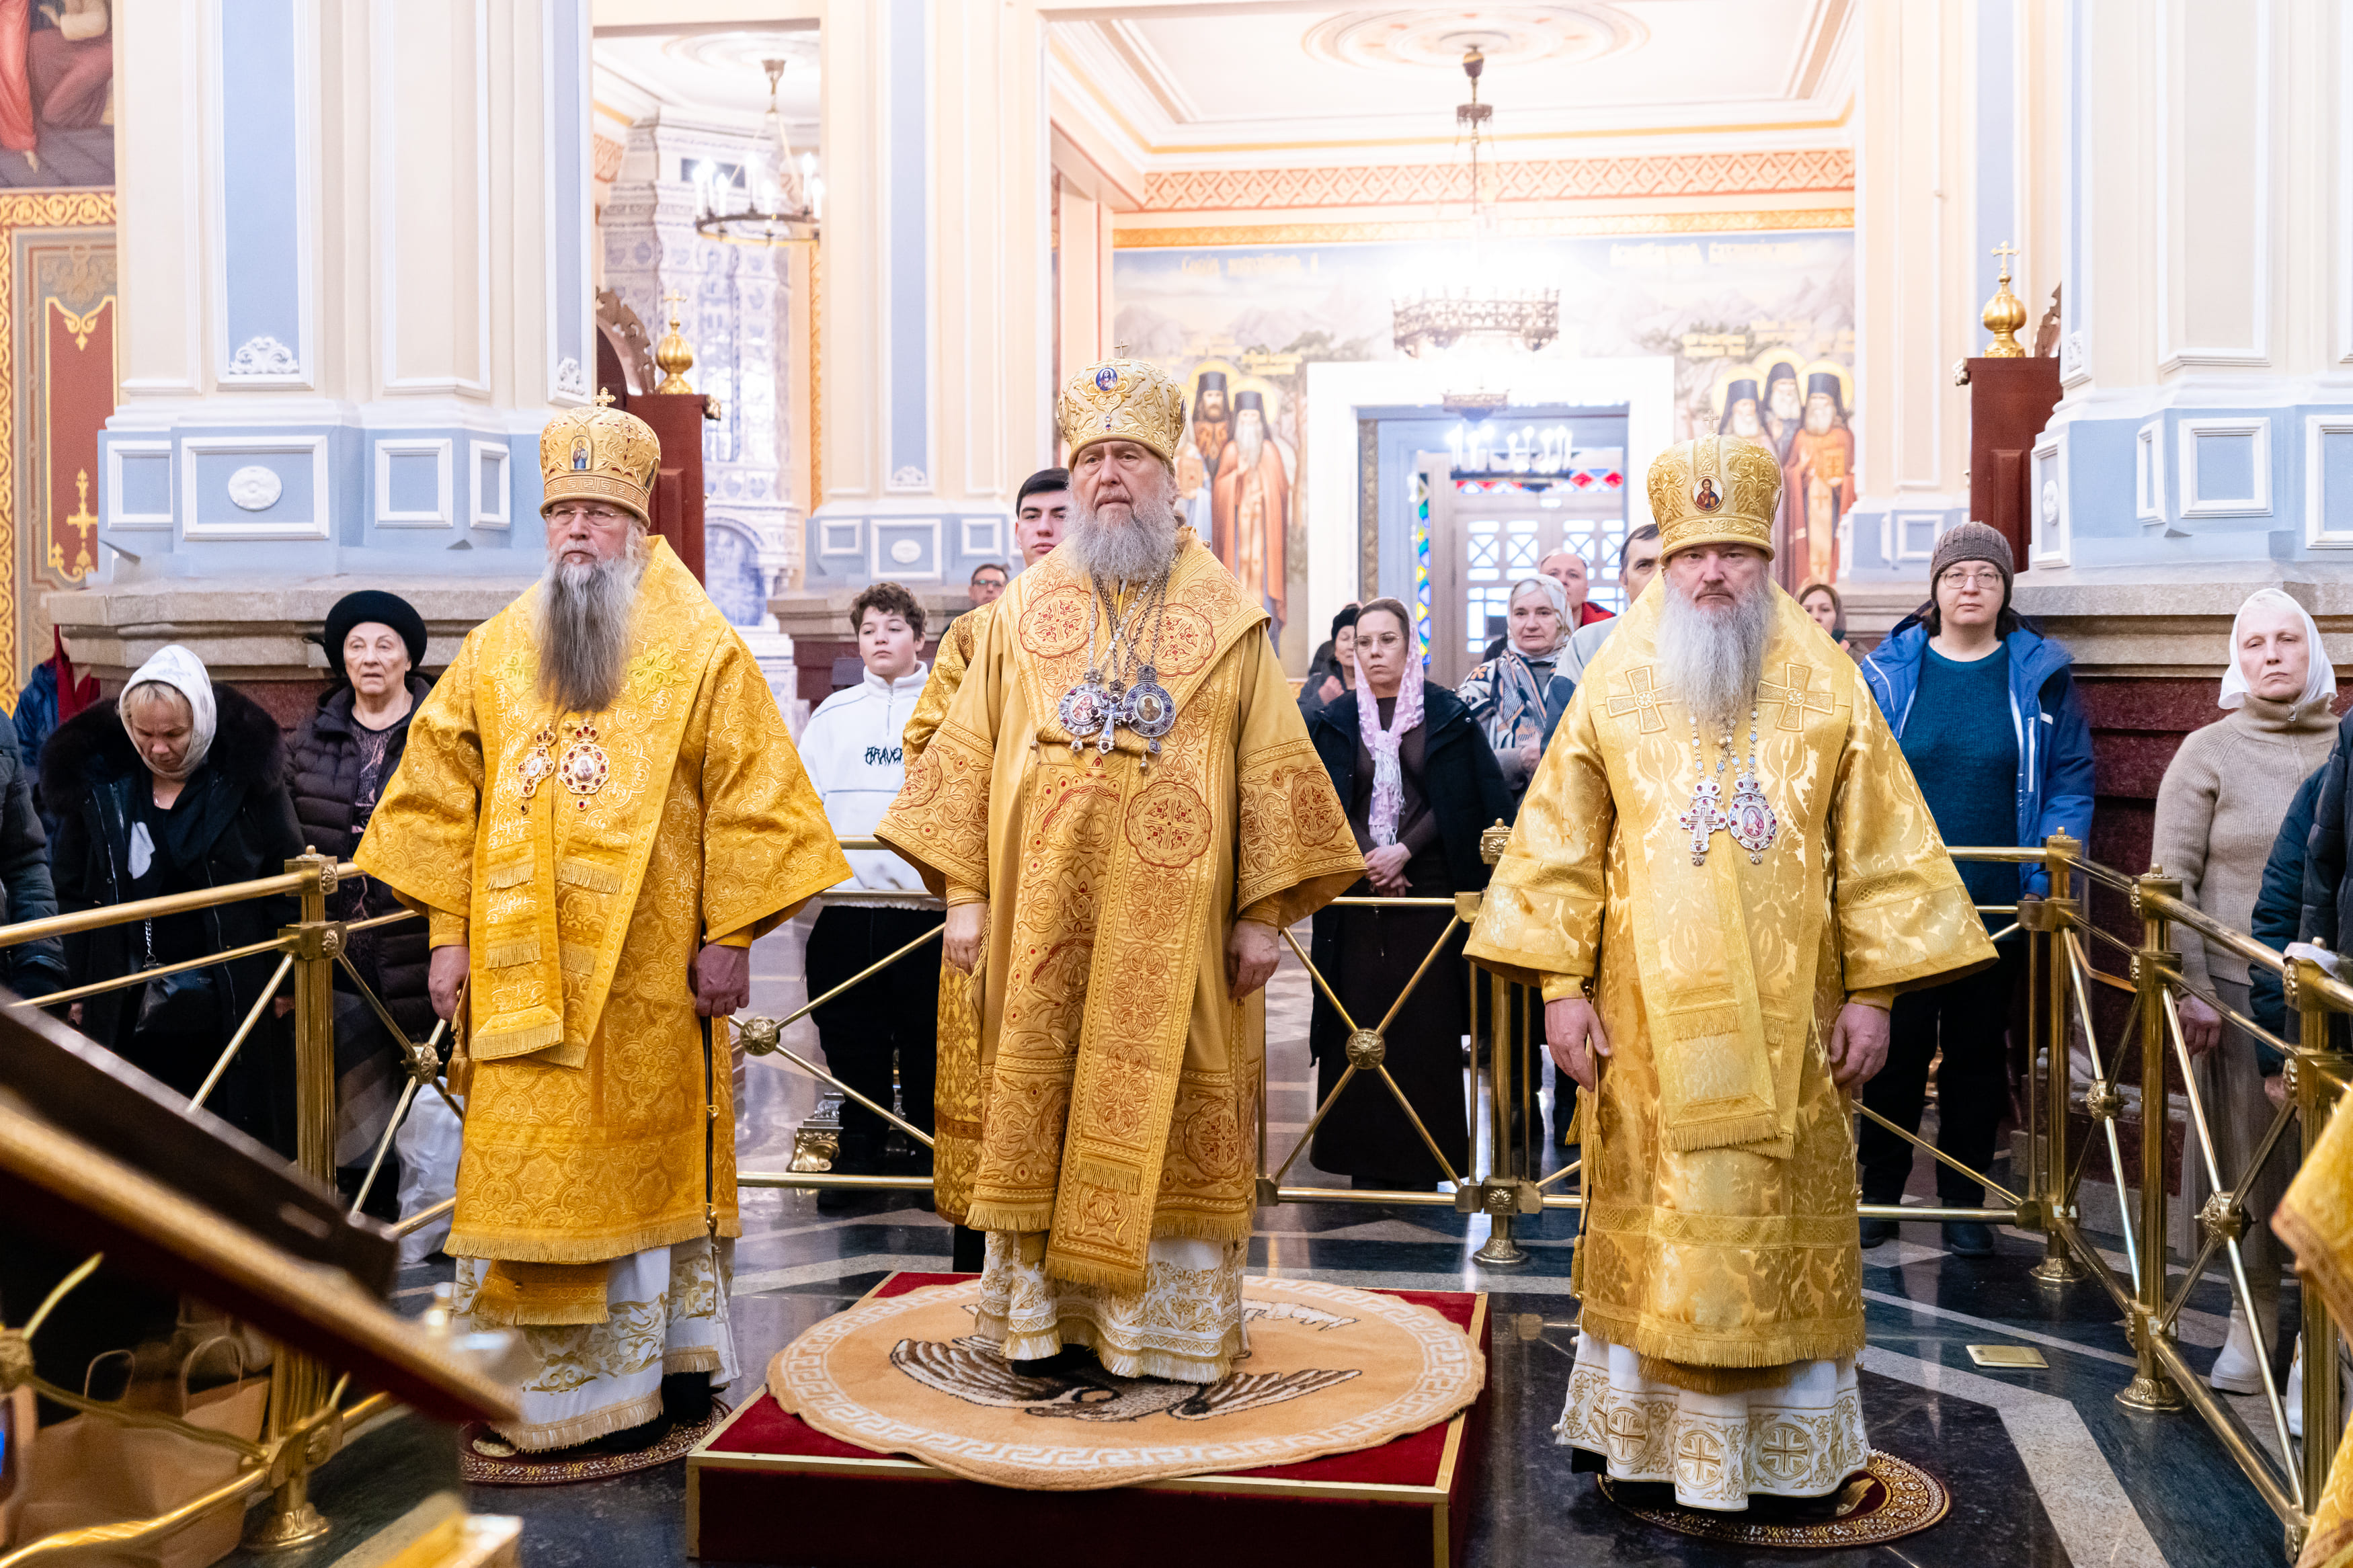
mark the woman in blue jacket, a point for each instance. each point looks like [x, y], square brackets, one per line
[1987, 714]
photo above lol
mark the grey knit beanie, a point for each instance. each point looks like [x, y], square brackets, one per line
[1973, 541]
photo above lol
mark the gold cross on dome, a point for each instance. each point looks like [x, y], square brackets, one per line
[603, 396]
[2004, 251]
[1641, 696]
[1796, 697]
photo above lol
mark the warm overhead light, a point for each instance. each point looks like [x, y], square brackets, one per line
[774, 199]
[1436, 320]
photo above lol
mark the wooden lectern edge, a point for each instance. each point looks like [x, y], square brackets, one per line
[341, 1316]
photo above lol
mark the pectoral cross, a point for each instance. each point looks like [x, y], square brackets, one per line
[1795, 698]
[1642, 696]
[1705, 817]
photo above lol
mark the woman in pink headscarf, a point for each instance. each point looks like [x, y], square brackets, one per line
[1420, 783]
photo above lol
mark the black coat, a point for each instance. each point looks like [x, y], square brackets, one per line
[33, 968]
[2279, 906]
[1465, 786]
[2327, 912]
[326, 785]
[234, 822]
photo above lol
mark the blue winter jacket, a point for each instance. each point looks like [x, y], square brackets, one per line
[2054, 742]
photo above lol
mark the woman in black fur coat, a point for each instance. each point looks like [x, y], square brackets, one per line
[179, 785]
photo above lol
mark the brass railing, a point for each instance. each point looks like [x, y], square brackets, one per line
[1500, 1177]
[307, 1420]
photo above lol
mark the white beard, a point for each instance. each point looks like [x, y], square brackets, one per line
[1250, 440]
[1714, 661]
[583, 626]
[1139, 550]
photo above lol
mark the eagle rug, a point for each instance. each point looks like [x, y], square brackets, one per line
[1328, 1370]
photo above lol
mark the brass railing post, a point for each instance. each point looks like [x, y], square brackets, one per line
[2060, 909]
[2315, 1102]
[298, 1384]
[2151, 1388]
[1499, 1193]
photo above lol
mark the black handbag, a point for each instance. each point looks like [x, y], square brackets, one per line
[183, 1003]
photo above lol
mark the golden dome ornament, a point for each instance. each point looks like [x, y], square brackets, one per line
[672, 355]
[2005, 313]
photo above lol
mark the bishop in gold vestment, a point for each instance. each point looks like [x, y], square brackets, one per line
[1130, 888]
[1738, 906]
[594, 859]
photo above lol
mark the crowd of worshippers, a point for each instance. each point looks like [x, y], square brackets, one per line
[182, 783]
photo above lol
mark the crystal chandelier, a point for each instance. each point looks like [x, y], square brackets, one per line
[772, 198]
[1438, 318]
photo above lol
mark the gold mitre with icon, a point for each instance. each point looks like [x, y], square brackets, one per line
[1122, 400]
[599, 453]
[1717, 490]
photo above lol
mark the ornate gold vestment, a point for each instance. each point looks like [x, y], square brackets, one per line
[1719, 1162]
[1118, 1079]
[588, 1126]
[955, 1094]
[2315, 1219]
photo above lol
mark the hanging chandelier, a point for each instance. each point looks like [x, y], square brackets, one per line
[1438, 318]
[770, 198]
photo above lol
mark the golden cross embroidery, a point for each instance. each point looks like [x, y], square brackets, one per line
[1796, 698]
[1628, 1433]
[1642, 696]
[1699, 1459]
[1783, 1454]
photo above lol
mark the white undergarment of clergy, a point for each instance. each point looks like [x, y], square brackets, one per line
[1119, 805]
[1721, 902]
[584, 858]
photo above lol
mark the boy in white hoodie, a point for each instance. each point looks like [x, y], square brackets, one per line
[851, 749]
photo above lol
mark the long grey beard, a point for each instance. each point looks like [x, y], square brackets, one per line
[584, 631]
[1713, 662]
[1137, 551]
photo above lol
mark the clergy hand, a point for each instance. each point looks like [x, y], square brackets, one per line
[1574, 1036]
[1251, 954]
[2201, 1027]
[960, 944]
[447, 978]
[1385, 865]
[1858, 1045]
[723, 981]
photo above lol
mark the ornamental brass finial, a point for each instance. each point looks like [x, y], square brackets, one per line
[672, 355]
[2005, 313]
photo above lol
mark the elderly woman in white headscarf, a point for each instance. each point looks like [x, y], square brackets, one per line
[1517, 697]
[176, 786]
[2218, 812]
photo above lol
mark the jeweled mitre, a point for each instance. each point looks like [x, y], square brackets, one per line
[599, 453]
[1122, 400]
[1717, 490]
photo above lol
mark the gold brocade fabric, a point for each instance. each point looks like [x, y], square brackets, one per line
[956, 1097]
[1719, 1163]
[585, 913]
[1119, 1080]
[2315, 1219]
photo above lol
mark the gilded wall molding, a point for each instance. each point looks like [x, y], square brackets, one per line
[1153, 239]
[1523, 180]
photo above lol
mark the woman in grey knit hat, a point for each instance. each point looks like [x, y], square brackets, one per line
[1986, 713]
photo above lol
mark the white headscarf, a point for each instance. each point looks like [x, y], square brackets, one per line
[2319, 678]
[183, 672]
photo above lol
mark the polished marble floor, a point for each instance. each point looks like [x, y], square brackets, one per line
[2045, 1467]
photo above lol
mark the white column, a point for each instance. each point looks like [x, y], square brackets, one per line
[1919, 180]
[355, 283]
[936, 300]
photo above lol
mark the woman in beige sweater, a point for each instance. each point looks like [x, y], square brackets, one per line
[2217, 811]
